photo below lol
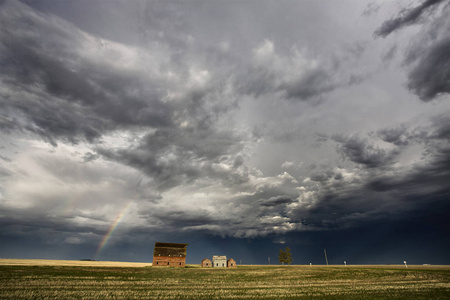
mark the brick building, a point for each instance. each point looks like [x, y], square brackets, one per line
[231, 263]
[169, 255]
[206, 263]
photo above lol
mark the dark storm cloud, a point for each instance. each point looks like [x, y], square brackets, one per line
[361, 151]
[437, 130]
[159, 116]
[428, 55]
[276, 201]
[430, 76]
[371, 199]
[397, 136]
[314, 83]
[441, 126]
[89, 156]
[372, 195]
[297, 75]
[176, 220]
[54, 88]
[429, 181]
[176, 156]
[407, 17]
[62, 83]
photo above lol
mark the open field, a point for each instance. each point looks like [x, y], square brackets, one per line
[73, 263]
[43, 279]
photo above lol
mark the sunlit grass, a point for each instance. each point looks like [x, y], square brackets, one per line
[245, 282]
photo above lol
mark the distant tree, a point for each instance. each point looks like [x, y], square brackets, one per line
[282, 257]
[285, 256]
[288, 256]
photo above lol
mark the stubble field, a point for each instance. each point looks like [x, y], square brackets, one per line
[35, 279]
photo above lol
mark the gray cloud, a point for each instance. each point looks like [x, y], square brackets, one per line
[429, 77]
[174, 157]
[361, 151]
[369, 198]
[54, 86]
[396, 136]
[298, 75]
[427, 55]
[407, 17]
[276, 201]
[437, 130]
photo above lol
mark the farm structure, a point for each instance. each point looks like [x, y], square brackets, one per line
[169, 255]
[231, 263]
[206, 263]
[219, 261]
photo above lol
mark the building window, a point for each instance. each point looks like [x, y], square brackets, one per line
[156, 262]
[180, 264]
[223, 265]
[167, 263]
[217, 265]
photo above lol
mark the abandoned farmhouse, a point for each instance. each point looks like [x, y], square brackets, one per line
[174, 255]
[169, 255]
[206, 263]
[218, 261]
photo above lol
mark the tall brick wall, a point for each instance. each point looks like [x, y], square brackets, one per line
[169, 261]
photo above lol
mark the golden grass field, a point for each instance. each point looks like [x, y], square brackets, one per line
[72, 263]
[53, 279]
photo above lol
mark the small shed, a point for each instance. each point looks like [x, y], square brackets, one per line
[231, 263]
[206, 263]
[219, 261]
[169, 255]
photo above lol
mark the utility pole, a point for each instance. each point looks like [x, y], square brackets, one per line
[326, 259]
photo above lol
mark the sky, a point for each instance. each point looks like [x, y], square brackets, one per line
[238, 127]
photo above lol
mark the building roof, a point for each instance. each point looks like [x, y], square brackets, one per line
[205, 259]
[219, 257]
[170, 249]
[172, 245]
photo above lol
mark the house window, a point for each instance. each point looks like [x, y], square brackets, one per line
[156, 262]
[180, 264]
[223, 265]
[217, 265]
[167, 263]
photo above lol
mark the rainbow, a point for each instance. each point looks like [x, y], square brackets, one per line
[111, 230]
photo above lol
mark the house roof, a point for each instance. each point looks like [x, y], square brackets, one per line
[219, 257]
[170, 249]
